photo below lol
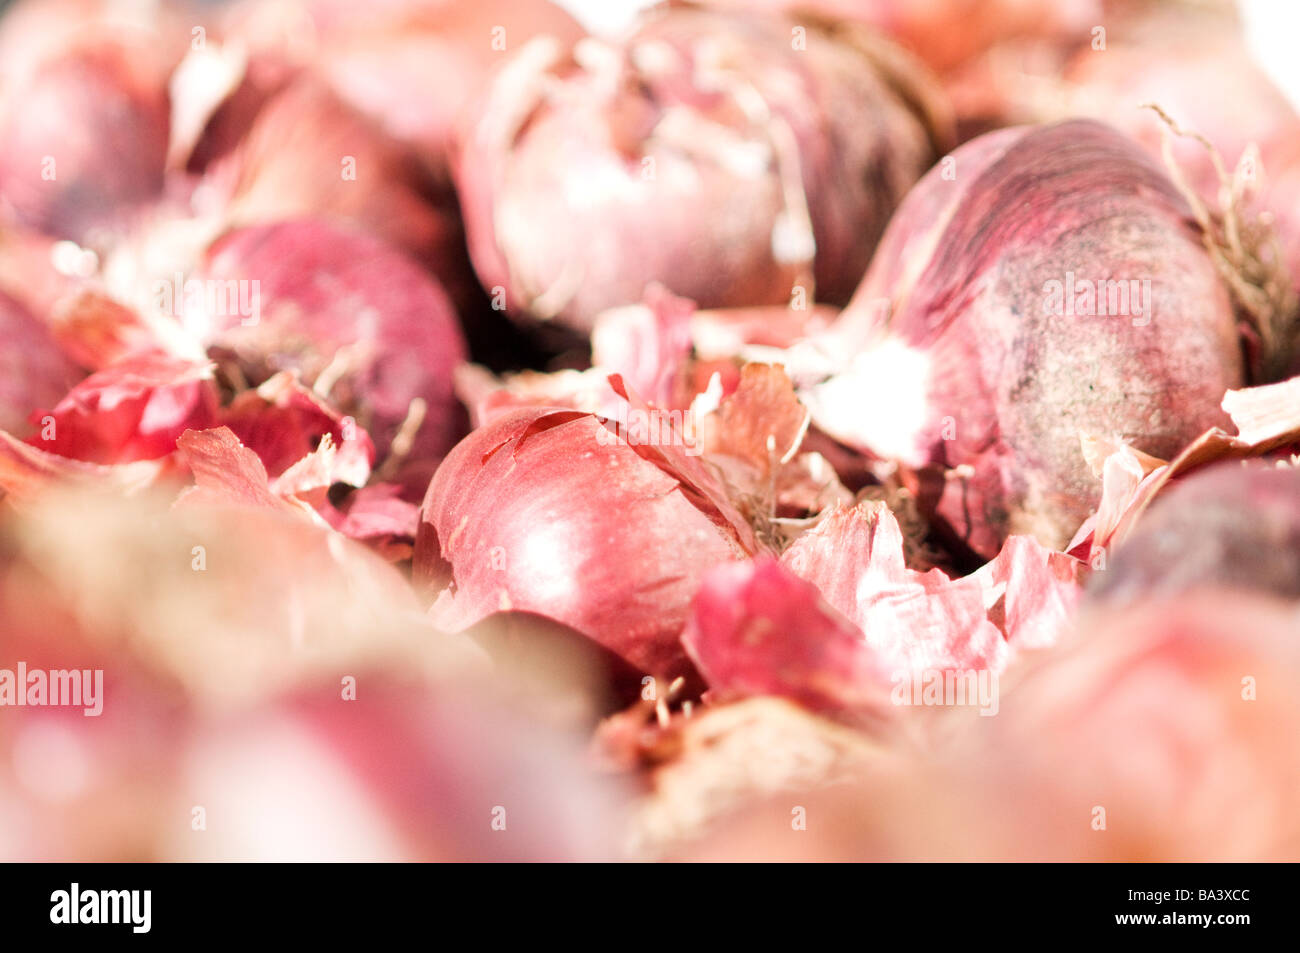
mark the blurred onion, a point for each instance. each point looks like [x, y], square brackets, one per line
[712, 154]
[946, 33]
[85, 139]
[1233, 525]
[1174, 718]
[307, 153]
[964, 363]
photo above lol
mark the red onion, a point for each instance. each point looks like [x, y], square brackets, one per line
[307, 153]
[984, 368]
[411, 64]
[217, 94]
[357, 319]
[747, 422]
[1201, 74]
[1235, 525]
[1208, 83]
[550, 511]
[247, 603]
[1170, 723]
[33, 31]
[78, 787]
[85, 139]
[1214, 88]
[395, 775]
[1197, 69]
[1160, 732]
[705, 153]
[246, 694]
[33, 370]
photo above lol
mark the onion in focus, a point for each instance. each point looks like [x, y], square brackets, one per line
[549, 511]
[975, 360]
[134, 409]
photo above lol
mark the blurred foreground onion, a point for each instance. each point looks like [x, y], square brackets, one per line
[1164, 732]
[274, 694]
[1161, 732]
[398, 774]
[715, 155]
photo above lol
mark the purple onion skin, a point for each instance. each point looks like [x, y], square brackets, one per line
[1010, 380]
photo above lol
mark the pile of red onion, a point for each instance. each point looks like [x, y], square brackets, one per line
[453, 435]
